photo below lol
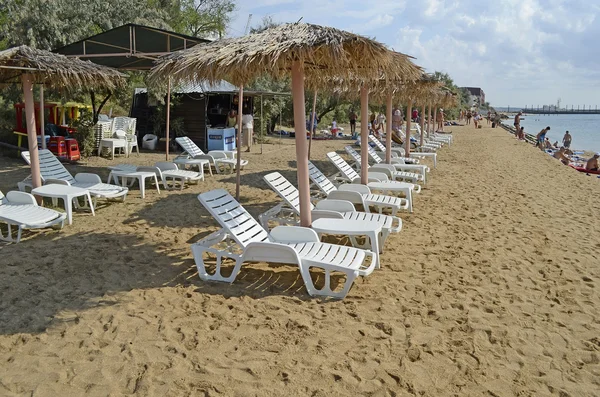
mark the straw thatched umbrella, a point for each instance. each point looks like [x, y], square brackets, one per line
[299, 50]
[28, 66]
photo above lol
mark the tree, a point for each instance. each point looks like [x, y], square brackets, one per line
[202, 18]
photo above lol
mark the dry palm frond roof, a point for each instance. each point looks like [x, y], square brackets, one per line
[55, 69]
[323, 51]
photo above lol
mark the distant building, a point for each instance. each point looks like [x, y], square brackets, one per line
[477, 95]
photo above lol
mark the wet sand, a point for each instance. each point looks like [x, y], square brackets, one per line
[492, 288]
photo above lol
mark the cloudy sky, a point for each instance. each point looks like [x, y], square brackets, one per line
[521, 52]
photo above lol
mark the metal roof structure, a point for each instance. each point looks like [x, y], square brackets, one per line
[220, 87]
[129, 47]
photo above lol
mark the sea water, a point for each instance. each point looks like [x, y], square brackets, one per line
[584, 128]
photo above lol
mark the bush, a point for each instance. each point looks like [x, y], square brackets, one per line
[85, 135]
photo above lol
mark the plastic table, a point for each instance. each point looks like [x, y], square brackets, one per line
[141, 177]
[349, 227]
[67, 194]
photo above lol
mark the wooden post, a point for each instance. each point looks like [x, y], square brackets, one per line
[429, 120]
[408, 120]
[388, 131]
[168, 117]
[301, 146]
[422, 124]
[312, 123]
[262, 125]
[42, 132]
[435, 111]
[27, 81]
[238, 142]
[364, 135]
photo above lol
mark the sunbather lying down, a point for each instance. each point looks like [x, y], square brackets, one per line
[560, 154]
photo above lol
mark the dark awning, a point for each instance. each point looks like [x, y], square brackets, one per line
[129, 47]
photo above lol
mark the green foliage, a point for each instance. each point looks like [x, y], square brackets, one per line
[202, 18]
[85, 134]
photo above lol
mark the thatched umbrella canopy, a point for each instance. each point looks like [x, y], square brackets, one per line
[46, 67]
[28, 66]
[300, 50]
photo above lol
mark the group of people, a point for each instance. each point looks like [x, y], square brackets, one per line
[561, 153]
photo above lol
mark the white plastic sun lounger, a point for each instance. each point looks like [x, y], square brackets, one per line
[375, 183]
[284, 244]
[399, 164]
[289, 210]
[390, 169]
[418, 155]
[21, 210]
[166, 171]
[52, 170]
[216, 158]
[396, 152]
[355, 193]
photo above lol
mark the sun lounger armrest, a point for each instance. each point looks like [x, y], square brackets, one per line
[294, 234]
[217, 154]
[378, 177]
[86, 177]
[16, 197]
[148, 168]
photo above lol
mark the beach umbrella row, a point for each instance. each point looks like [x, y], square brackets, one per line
[29, 66]
[300, 51]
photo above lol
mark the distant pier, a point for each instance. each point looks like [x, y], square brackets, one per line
[561, 111]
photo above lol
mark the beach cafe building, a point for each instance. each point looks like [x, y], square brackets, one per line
[203, 108]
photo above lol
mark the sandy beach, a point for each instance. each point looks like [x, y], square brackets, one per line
[491, 289]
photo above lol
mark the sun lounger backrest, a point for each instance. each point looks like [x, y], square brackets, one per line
[189, 146]
[374, 155]
[242, 227]
[353, 153]
[50, 166]
[320, 179]
[285, 190]
[377, 143]
[347, 171]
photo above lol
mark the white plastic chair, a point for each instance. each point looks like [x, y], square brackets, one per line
[398, 163]
[284, 244]
[395, 152]
[21, 210]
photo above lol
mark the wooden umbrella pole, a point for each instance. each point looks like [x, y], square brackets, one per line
[429, 121]
[239, 143]
[388, 131]
[168, 117]
[42, 134]
[435, 110]
[27, 81]
[408, 115]
[364, 135]
[301, 146]
[422, 124]
[262, 125]
[312, 123]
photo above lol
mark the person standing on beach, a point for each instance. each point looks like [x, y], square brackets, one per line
[541, 138]
[440, 120]
[469, 115]
[352, 116]
[396, 119]
[567, 140]
[517, 123]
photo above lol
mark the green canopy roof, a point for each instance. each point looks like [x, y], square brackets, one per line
[129, 47]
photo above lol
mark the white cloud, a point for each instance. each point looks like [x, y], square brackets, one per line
[516, 50]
